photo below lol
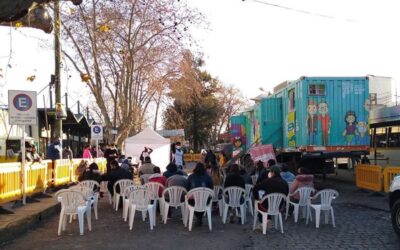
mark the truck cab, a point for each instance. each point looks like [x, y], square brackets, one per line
[394, 203]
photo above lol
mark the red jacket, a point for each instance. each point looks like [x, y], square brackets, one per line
[160, 179]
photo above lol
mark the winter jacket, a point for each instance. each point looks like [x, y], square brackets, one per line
[234, 180]
[301, 180]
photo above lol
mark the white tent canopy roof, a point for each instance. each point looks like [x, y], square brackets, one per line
[148, 136]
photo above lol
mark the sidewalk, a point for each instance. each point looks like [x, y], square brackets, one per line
[25, 217]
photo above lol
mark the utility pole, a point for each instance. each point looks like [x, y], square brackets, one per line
[57, 71]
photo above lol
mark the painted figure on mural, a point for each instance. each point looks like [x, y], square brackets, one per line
[312, 109]
[325, 120]
[350, 131]
[362, 129]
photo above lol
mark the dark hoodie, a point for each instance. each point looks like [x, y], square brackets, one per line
[302, 180]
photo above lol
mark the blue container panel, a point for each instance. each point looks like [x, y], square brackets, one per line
[336, 118]
[271, 121]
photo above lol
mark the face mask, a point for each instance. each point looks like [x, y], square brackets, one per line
[178, 147]
[269, 175]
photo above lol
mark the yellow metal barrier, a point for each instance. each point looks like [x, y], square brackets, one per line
[188, 157]
[196, 157]
[10, 182]
[62, 172]
[369, 177]
[74, 165]
[388, 175]
[36, 177]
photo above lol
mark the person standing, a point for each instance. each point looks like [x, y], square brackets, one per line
[54, 149]
[67, 153]
[110, 154]
[179, 156]
[86, 152]
[146, 152]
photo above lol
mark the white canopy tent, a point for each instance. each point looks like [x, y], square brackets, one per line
[149, 138]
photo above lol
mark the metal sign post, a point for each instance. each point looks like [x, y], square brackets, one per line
[22, 106]
[97, 134]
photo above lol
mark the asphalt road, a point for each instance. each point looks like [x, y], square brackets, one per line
[362, 222]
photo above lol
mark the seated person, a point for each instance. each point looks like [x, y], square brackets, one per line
[273, 184]
[147, 167]
[93, 174]
[176, 179]
[303, 179]
[116, 173]
[234, 178]
[157, 177]
[172, 169]
[246, 177]
[199, 178]
[286, 174]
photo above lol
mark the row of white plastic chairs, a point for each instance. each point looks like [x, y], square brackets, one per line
[81, 198]
[172, 197]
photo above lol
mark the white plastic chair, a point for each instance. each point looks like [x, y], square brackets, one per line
[122, 185]
[304, 202]
[140, 199]
[90, 196]
[104, 189]
[248, 198]
[144, 178]
[200, 196]
[274, 202]
[175, 194]
[236, 199]
[327, 195]
[218, 198]
[93, 185]
[155, 187]
[73, 203]
[125, 200]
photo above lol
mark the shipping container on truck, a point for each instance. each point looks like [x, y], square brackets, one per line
[325, 117]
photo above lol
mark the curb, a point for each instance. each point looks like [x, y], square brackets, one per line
[16, 228]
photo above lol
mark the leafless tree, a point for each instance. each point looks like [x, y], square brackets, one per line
[127, 53]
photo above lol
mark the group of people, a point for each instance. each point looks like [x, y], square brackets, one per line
[272, 178]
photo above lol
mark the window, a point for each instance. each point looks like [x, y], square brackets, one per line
[395, 129]
[380, 131]
[291, 100]
[316, 89]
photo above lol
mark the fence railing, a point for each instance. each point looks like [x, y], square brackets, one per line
[38, 177]
[375, 178]
[369, 177]
[388, 175]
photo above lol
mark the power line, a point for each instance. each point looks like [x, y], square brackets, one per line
[306, 12]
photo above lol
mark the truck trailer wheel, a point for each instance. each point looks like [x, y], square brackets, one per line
[395, 211]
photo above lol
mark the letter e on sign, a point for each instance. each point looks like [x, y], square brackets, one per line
[97, 132]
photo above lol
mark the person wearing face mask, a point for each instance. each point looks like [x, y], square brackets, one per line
[178, 156]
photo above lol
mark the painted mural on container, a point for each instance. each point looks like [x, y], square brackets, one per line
[312, 108]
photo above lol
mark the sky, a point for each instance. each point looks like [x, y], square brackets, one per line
[249, 44]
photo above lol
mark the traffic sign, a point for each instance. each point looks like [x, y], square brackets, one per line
[22, 107]
[97, 132]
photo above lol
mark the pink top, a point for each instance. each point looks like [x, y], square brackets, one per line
[87, 154]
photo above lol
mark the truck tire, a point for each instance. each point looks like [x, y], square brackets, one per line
[395, 212]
